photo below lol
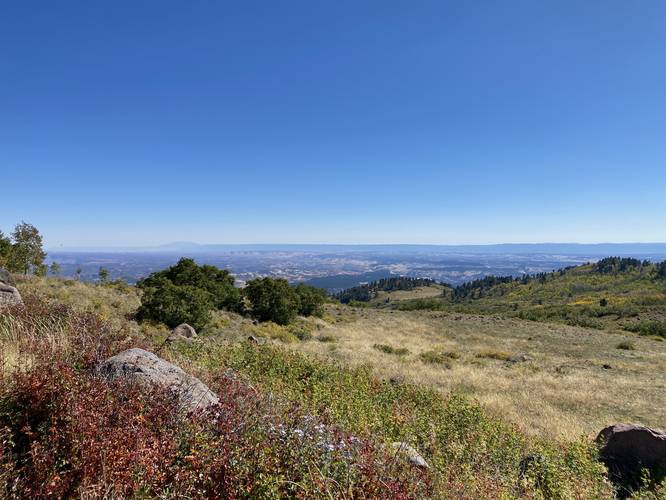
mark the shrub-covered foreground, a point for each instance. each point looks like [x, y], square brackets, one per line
[289, 425]
[473, 455]
[64, 432]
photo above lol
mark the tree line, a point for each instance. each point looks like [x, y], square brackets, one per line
[614, 265]
[366, 292]
[610, 265]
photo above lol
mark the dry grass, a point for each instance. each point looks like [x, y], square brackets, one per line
[562, 391]
[108, 302]
[422, 292]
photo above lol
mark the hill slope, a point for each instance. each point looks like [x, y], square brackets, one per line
[50, 349]
[613, 294]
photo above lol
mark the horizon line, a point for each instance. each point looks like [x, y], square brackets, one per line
[174, 246]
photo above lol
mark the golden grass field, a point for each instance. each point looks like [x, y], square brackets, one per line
[562, 391]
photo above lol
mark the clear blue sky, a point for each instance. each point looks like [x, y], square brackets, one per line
[139, 122]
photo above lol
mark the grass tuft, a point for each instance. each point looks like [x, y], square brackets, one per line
[388, 349]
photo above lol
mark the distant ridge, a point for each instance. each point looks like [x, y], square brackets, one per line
[591, 249]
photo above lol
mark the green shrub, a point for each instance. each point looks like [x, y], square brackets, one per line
[421, 305]
[218, 283]
[498, 355]
[399, 351]
[186, 293]
[436, 357]
[627, 345]
[647, 327]
[272, 300]
[302, 334]
[173, 305]
[310, 299]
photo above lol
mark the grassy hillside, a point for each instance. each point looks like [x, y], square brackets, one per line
[632, 300]
[58, 416]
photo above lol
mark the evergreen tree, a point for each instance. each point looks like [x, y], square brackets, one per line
[103, 275]
[661, 269]
[55, 269]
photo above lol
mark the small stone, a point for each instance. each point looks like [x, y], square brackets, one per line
[182, 331]
[410, 454]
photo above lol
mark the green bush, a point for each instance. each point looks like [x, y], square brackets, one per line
[627, 345]
[647, 327]
[219, 283]
[498, 355]
[437, 358]
[187, 293]
[310, 299]
[173, 305]
[272, 300]
[422, 305]
[388, 349]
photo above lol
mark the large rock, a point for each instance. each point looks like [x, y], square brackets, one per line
[410, 455]
[626, 448]
[9, 295]
[182, 332]
[146, 368]
[6, 277]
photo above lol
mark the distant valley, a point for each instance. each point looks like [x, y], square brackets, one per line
[335, 267]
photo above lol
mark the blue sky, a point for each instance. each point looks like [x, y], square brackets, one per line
[138, 123]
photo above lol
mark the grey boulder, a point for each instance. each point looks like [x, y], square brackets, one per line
[182, 331]
[145, 368]
[9, 295]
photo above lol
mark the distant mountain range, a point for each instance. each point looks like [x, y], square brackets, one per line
[600, 249]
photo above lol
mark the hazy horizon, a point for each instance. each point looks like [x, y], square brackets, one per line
[185, 245]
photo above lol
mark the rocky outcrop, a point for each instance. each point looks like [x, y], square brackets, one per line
[143, 367]
[9, 295]
[627, 448]
[410, 455]
[6, 277]
[182, 332]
